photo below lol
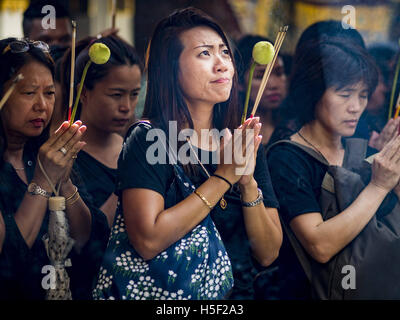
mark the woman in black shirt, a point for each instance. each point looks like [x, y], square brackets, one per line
[107, 104]
[329, 90]
[192, 84]
[24, 189]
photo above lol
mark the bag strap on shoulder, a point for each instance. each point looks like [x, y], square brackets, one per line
[306, 149]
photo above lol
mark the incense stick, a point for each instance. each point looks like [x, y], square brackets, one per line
[114, 13]
[278, 43]
[10, 90]
[71, 81]
[397, 107]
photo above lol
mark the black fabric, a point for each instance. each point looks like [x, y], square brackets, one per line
[134, 171]
[297, 179]
[99, 179]
[21, 266]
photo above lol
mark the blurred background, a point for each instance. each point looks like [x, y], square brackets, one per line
[377, 20]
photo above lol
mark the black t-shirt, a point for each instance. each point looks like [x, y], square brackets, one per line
[135, 171]
[99, 179]
[297, 179]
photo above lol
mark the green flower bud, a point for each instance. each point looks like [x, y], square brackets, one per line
[99, 53]
[263, 52]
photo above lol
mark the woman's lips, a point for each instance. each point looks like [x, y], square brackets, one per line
[37, 123]
[121, 122]
[274, 97]
[352, 123]
[221, 80]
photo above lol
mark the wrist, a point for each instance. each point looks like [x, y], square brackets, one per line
[42, 183]
[378, 188]
[67, 188]
[249, 190]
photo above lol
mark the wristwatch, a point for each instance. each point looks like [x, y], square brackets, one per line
[259, 199]
[34, 190]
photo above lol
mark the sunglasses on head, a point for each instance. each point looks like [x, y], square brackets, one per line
[19, 46]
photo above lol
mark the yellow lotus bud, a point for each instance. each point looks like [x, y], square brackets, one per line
[263, 52]
[99, 53]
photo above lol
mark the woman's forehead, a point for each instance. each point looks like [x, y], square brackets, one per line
[201, 36]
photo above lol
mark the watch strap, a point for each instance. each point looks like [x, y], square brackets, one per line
[256, 202]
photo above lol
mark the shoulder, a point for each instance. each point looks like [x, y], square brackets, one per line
[138, 130]
[287, 152]
[288, 157]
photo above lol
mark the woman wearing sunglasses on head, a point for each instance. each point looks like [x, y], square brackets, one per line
[25, 143]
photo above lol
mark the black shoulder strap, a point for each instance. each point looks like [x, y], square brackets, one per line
[308, 150]
[355, 152]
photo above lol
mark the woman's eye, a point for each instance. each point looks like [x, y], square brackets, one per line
[51, 93]
[29, 93]
[226, 51]
[344, 95]
[205, 53]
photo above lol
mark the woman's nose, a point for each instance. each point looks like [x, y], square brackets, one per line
[40, 103]
[221, 64]
[125, 105]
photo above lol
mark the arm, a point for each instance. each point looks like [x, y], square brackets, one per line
[78, 214]
[323, 239]
[30, 214]
[262, 226]
[151, 229]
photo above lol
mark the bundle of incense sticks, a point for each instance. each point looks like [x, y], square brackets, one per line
[10, 90]
[278, 43]
[397, 107]
[113, 13]
[71, 81]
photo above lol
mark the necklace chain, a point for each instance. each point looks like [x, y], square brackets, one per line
[309, 143]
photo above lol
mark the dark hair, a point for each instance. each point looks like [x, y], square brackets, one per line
[321, 65]
[383, 53]
[164, 97]
[10, 64]
[122, 53]
[327, 29]
[34, 11]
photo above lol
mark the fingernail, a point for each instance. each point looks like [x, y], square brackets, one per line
[251, 116]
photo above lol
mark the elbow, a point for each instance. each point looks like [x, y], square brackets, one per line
[146, 249]
[268, 260]
[320, 253]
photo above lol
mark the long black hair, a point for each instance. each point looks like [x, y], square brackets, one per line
[10, 64]
[164, 97]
